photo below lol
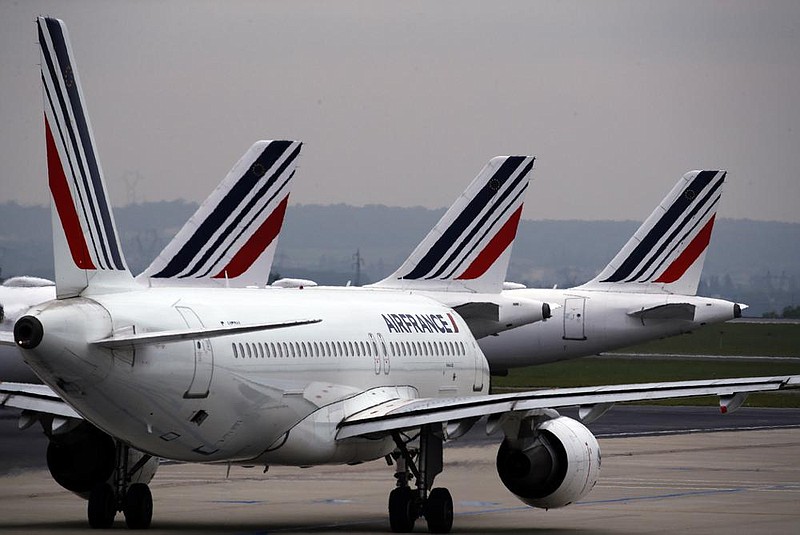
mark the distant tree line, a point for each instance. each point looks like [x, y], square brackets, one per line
[789, 312]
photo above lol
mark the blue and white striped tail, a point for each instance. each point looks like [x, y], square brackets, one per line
[470, 247]
[231, 239]
[86, 244]
[667, 252]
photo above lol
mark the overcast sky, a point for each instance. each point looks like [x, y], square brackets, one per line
[402, 103]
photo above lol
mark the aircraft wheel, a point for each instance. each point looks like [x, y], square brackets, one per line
[401, 510]
[102, 507]
[439, 511]
[138, 506]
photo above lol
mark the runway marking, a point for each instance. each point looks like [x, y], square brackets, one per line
[695, 430]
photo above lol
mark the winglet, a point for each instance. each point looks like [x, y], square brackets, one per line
[667, 252]
[470, 247]
[231, 239]
[86, 245]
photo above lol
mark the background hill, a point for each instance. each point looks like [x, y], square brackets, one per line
[754, 262]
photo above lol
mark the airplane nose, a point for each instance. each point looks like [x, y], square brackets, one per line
[28, 332]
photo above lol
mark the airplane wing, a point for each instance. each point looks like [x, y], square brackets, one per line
[36, 398]
[400, 414]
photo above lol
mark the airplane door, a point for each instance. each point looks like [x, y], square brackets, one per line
[203, 358]
[386, 362]
[574, 312]
[377, 354]
[477, 382]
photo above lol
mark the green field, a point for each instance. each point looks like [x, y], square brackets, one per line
[776, 340]
[727, 339]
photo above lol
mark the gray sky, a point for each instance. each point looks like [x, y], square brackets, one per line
[401, 103]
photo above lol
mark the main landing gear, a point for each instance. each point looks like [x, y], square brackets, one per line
[406, 505]
[134, 500]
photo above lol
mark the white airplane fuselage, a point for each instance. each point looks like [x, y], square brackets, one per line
[269, 396]
[591, 321]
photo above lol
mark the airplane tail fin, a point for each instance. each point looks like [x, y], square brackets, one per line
[85, 242]
[667, 252]
[470, 247]
[231, 239]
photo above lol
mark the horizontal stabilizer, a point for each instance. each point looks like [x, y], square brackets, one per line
[670, 311]
[497, 313]
[161, 337]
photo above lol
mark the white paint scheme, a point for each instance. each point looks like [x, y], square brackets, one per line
[144, 393]
[238, 375]
[589, 322]
[646, 292]
[18, 294]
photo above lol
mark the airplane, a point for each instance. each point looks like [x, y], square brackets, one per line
[647, 291]
[229, 241]
[17, 295]
[237, 375]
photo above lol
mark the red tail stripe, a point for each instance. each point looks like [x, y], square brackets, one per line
[256, 244]
[62, 196]
[679, 266]
[493, 249]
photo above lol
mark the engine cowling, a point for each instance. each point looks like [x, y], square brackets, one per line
[83, 457]
[558, 465]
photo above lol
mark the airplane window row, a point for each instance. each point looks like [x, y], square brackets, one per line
[345, 349]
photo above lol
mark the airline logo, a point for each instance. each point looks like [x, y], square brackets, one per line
[239, 225]
[420, 323]
[677, 239]
[74, 173]
[482, 230]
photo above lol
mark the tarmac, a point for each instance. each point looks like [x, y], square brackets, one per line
[720, 482]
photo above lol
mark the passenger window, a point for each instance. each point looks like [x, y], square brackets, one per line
[235, 352]
[249, 352]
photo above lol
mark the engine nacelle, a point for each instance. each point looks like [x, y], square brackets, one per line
[558, 465]
[83, 457]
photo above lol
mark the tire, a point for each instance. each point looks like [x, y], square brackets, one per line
[102, 507]
[439, 511]
[402, 514]
[138, 506]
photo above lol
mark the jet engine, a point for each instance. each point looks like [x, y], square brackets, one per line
[84, 457]
[555, 466]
